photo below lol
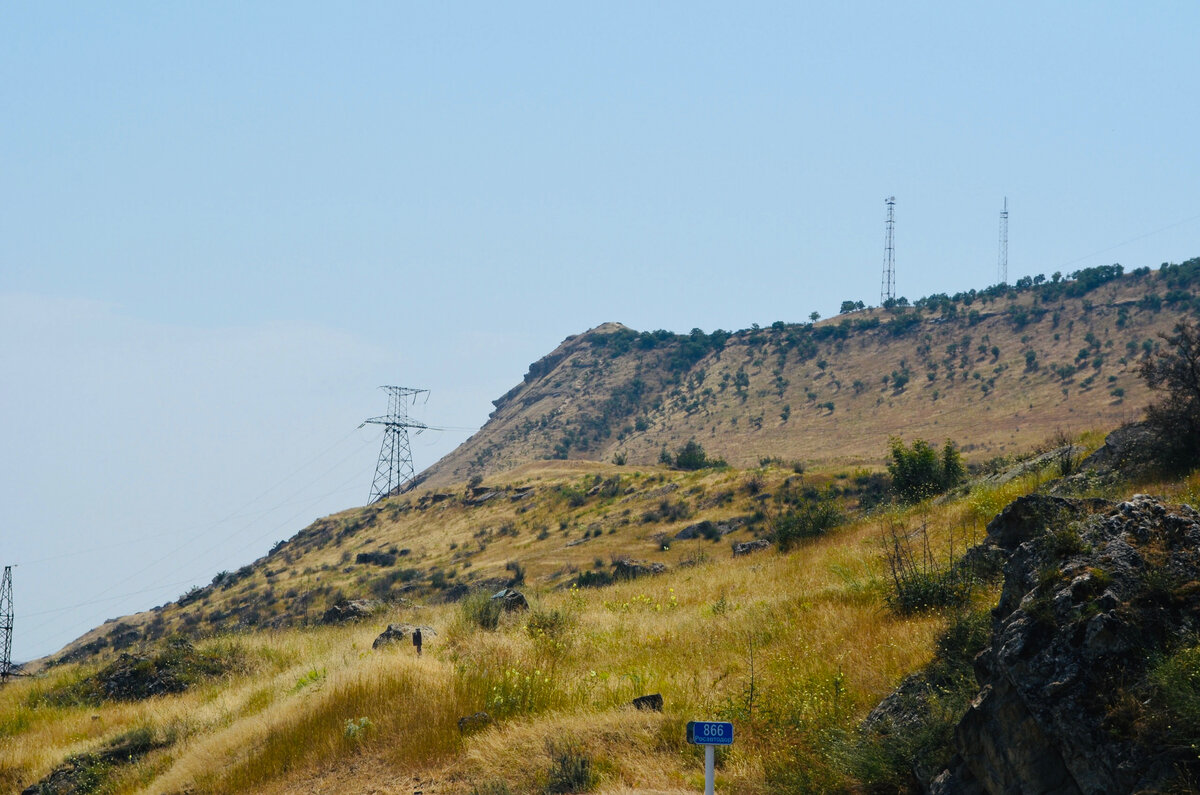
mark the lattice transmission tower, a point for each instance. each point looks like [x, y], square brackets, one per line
[887, 292]
[394, 472]
[1002, 261]
[7, 668]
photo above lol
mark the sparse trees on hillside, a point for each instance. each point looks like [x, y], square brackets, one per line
[1174, 371]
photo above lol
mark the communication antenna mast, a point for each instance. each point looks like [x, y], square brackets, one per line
[888, 292]
[394, 472]
[1002, 264]
[7, 668]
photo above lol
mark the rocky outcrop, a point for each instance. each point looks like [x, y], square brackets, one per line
[1086, 603]
[350, 610]
[627, 569]
[1127, 449]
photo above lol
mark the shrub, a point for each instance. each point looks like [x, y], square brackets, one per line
[570, 768]
[481, 610]
[918, 472]
[809, 520]
[691, 457]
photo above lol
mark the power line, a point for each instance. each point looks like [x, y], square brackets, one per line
[1131, 240]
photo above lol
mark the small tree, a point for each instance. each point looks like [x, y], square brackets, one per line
[691, 456]
[1174, 371]
[919, 472]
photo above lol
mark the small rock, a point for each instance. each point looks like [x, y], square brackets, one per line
[473, 723]
[652, 702]
[511, 600]
[746, 547]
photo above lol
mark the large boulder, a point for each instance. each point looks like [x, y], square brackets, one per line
[395, 633]
[1128, 448]
[1086, 605]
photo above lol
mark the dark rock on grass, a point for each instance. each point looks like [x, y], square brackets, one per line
[350, 610]
[1023, 519]
[746, 547]
[510, 600]
[627, 569]
[652, 702]
[473, 723]
[481, 498]
[1086, 607]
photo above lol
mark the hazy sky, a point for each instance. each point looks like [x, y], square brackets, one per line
[223, 225]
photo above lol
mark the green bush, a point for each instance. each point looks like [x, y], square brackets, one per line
[691, 457]
[919, 472]
[809, 520]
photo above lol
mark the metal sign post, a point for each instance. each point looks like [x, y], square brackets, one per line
[710, 734]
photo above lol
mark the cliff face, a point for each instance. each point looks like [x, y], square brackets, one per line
[998, 371]
[1069, 699]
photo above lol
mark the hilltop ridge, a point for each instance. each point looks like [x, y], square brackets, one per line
[1004, 367]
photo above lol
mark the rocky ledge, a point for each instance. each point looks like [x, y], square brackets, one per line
[1089, 603]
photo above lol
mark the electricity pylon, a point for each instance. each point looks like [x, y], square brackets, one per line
[394, 472]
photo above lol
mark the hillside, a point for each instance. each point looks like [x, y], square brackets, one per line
[998, 370]
[633, 590]
[271, 678]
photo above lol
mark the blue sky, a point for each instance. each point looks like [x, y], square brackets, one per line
[222, 225]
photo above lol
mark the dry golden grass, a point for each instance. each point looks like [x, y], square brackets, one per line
[794, 648]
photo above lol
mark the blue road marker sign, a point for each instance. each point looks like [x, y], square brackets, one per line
[709, 732]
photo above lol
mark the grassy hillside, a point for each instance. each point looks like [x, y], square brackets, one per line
[795, 647]
[1003, 368]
